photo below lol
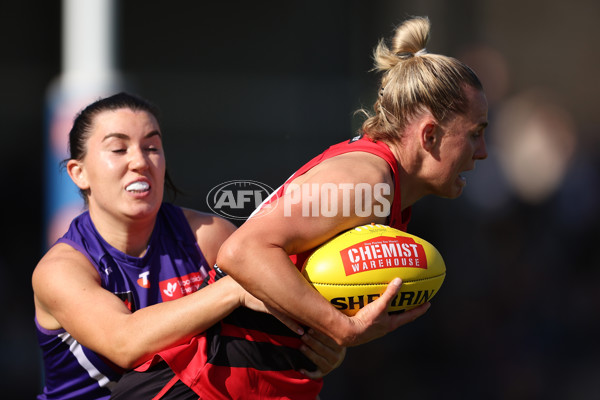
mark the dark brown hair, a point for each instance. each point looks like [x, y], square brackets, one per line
[83, 123]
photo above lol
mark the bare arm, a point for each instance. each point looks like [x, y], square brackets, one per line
[68, 294]
[257, 254]
[322, 350]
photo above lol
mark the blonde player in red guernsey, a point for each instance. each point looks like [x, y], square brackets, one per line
[428, 126]
[426, 130]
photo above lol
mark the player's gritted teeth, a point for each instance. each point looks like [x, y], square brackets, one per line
[138, 187]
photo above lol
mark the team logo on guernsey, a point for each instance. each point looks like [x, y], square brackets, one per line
[383, 252]
[175, 288]
[143, 280]
[355, 139]
[237, 199]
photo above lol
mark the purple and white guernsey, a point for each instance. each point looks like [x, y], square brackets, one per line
[172, 267]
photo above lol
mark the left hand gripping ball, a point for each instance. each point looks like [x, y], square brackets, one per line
[355, 267]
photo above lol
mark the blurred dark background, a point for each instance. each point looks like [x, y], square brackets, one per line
[251, 90]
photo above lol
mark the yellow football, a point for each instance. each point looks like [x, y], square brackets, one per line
[355, 267]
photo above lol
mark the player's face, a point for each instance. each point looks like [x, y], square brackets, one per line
[462, 143]
[125, 164]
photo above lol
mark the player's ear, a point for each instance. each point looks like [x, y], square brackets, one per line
[428, 134]
[77, 173]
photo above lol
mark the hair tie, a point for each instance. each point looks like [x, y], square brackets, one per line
[405, 55]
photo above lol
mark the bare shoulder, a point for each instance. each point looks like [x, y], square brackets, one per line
[61, 260]
[207, 222]
[210, 230]
[364, 164]
[61, 267]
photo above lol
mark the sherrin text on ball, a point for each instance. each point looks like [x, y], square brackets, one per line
[355, 267]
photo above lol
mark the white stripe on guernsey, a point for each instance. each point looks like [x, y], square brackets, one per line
[77, 351]
[265, 201]
[269, 197]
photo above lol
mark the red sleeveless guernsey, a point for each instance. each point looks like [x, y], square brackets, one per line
[251, 355]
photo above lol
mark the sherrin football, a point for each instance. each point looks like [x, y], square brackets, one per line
[354, 268]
